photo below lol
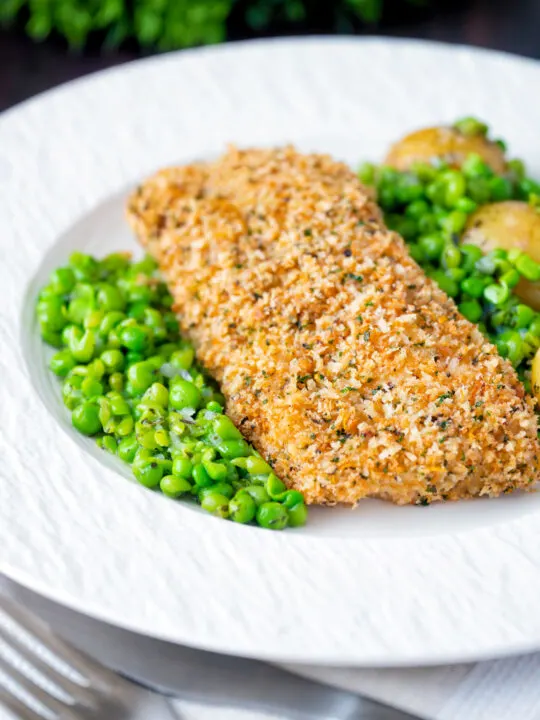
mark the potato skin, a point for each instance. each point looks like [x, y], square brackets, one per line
[509, 224]
[447, 143]
[535, 375]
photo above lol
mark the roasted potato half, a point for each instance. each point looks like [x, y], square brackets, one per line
[507, 225]
[447, 143]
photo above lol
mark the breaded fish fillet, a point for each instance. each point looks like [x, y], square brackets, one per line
[348, 369]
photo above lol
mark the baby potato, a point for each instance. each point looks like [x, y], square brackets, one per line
[447, 143]
[535, 375]
[507, 225]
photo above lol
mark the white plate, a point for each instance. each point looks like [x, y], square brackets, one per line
[378, 586]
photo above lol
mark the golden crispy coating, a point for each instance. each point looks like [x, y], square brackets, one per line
[341, 362]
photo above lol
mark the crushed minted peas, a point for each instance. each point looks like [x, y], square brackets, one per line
[131, 381]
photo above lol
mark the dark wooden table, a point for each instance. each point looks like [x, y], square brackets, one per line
[27, 68]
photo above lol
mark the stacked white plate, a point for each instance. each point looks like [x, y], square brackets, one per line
[376, 586]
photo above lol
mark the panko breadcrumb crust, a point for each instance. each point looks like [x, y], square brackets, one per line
[346, 367]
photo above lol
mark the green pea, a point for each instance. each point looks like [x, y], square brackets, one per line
[135, 338]
[51, 337]
[184, 394]
[257, 466]
[424, 171]
[115, 262]
[51, 313]
[417, 209]
[449, 286]
[473, 166]
[510, 278]
[113, 360]
[157, 393]
[479, 190]
[91, 387]
[416, 252]
[116, 381]
[366, 173]
[454, 222]
[527, 186]
[526, 267]
[242, 507]
[110, 321]
[427, 224]
[258, 493]
[297, 514]
[487, 265]
[500, 188]
[201, 476]
[473, 286]
[231, 449]
[458, 274]
[471, 309]
[96, 369]
[127, 448]
[517, 168]
[216, 504]
[162, 437]
[510, 345]
[471, 254]
[183, 359]
[455, 186]
[275, 487]
[432, 246]
[82, 345]
[108, 443]
[78, 309]
[214, 406]
[436, 192]
[496, 294]
[223, 488]
[85, 418]
[466, 205]
[136, 310]
[224, 427]
[534, 327]
[166, 350]
[182, 467]
[109, 298]
[451, 257]
[523, 316]
[62, 280]
[85, 267]
[119, 406]
[141, 375]
[140, 293]
[273, 516]
[471, 126]
[125, 426]
[133, 357]
[217, 471]
[173, 486]
[62, 362]
[148, 473]
[93, 319]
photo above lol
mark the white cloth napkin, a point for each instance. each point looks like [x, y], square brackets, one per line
[506, 689]
[499, 690]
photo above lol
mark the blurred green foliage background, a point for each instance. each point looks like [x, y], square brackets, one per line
[170, 24]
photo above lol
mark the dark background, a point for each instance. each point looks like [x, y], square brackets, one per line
[27, 68]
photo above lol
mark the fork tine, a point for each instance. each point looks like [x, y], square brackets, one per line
[78, 692]
[41, 696]
[84, 665]
[15, 706]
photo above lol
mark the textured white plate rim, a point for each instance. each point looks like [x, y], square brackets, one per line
[298, 599]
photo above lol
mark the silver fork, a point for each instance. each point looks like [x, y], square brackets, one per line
[64, 684]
